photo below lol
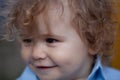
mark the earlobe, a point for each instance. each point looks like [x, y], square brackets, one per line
[92, 51]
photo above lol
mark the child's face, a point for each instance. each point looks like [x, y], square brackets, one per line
[60, 54]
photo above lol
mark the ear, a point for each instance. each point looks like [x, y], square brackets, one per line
[92, 51]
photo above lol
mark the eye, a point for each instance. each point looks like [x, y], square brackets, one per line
[51, 40]
[27, 41]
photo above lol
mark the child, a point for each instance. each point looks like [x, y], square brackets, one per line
[64, 39]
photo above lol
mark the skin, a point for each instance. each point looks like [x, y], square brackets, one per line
[58, 54]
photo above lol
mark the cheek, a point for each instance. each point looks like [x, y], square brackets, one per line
[70, 55]
[64, 56]
[25, 54]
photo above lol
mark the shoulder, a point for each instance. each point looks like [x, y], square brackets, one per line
[111, 73]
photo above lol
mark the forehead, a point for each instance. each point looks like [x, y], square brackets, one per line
[56, 16]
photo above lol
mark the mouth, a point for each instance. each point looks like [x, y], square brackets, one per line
[46, 67]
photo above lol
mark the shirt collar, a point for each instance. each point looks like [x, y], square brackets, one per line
[28, 74]
[97, 71]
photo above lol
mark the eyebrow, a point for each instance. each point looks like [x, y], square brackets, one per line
[42, 35]
[53, 35]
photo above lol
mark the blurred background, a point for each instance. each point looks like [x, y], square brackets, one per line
[11, 64]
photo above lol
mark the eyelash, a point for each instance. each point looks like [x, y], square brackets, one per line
[27, 41]
[51, 40]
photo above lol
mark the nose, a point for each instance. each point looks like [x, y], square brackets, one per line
[38, 52]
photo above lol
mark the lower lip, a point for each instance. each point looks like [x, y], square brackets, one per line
[46, 68]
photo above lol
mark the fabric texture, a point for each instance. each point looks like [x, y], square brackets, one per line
[99, 72]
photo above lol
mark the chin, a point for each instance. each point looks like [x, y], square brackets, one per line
[52, 78]
[49, 78]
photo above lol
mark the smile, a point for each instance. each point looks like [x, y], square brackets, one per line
[45, 67]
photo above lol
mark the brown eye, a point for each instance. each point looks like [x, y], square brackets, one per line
[51, 40]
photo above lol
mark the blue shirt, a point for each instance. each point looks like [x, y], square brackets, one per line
[99, 72]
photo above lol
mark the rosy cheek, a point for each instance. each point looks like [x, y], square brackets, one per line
[64, 62]
[67, 62]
